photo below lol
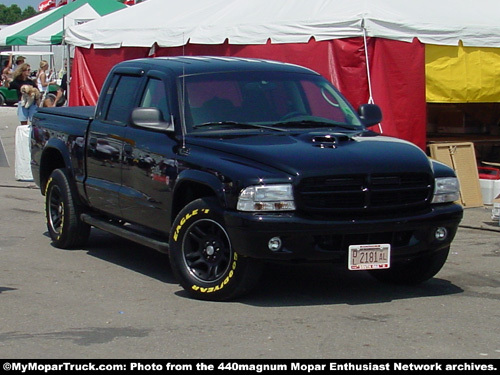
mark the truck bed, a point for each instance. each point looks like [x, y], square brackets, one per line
[58, 128]
[82, 113]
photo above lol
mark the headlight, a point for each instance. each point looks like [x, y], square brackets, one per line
[446, 189]
[266, 198]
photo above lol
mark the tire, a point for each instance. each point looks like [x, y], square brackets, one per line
[2, 100]
[415, 271]
[62, 212]
[202, 258]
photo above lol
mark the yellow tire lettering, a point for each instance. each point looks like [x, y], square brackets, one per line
[176, 234]
[47, 186]
[46, 191]
[222, 284]
[184, 219]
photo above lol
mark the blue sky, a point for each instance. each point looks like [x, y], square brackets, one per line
[22, 3]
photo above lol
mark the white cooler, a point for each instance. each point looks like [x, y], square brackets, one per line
[490, 189]
[23, 154]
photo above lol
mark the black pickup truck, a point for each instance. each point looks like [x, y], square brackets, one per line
[226, 163]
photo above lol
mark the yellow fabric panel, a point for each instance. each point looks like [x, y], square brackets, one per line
[458, 74]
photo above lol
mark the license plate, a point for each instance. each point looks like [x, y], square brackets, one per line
[369, 257]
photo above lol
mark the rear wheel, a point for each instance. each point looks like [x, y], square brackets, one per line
[63, 213]
[2, 100]
[415, 271]
[203, 259]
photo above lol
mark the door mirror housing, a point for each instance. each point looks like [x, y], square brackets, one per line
[150, 118]
[370, 114]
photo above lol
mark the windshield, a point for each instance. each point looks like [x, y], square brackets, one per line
[264, 100]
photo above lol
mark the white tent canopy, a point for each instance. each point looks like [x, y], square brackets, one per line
[170, 23]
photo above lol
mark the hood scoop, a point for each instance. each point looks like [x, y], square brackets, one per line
[329, 140]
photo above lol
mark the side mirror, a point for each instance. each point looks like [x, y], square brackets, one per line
[150, 118]
[370, 114]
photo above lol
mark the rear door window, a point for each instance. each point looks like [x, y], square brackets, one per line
[155, 95]
[122, 100]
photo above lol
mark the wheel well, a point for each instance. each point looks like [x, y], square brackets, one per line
[51, 160]
[187, 192]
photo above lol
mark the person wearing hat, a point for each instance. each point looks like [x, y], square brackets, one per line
[19, 61]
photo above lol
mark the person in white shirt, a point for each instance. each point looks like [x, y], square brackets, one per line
[42, 79]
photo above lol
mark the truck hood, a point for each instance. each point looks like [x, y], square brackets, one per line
[320, 153]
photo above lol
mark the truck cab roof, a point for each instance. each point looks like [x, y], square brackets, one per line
[186, 65]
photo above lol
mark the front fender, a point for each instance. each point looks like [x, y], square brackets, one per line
[194, 184]
[441, 169]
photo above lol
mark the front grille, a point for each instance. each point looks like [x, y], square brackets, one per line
[376, 193]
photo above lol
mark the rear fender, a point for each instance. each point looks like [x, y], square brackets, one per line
[55, 155]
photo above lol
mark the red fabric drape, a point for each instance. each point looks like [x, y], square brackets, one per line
[342, 61]
[82, 89]
[398, 85]
[397, 73]
[90, 68]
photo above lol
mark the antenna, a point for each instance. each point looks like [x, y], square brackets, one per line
[183, 102]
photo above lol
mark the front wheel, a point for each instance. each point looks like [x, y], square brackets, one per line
[202, 257]
[63, 213]
[415, 271]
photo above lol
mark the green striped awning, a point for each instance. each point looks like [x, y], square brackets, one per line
[48, 28]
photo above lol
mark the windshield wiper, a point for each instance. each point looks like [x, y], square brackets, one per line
[308, 123]
[236, 124]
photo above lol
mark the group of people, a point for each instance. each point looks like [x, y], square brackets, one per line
[18, 75]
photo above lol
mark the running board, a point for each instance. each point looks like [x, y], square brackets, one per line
[123, 232]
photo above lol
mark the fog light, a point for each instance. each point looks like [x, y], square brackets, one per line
[274, 244]
[441, 233]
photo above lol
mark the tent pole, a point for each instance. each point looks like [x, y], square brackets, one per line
[370, 99]
[66, 61]
[68, 68]
[59, 76]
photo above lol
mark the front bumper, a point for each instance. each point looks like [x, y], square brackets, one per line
[307, 239]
